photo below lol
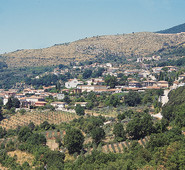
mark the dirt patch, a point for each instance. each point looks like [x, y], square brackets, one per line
[22, 157]
[3, 168]
[52, 144]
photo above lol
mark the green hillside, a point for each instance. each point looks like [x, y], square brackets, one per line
[174, 110]
[171, 51]
[174, 30]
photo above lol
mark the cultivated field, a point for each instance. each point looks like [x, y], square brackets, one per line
[37, 117]
[118, 147]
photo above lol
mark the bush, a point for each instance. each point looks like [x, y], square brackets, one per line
[79, 110]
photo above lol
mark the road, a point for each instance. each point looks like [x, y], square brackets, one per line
[164, 99]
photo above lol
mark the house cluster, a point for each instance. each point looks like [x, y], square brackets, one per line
[30, 96]
[160, 69]
[139, 80]
[147, 80]
[78, 87]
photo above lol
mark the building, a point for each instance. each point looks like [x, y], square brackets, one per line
[89, 88]
[59, 104]
[156, 57]
[157, 69]
[60, 96]
[77, 91]
[134, 84]
[40, 103]
[149, 83]
[26, 102]
[95, 81]
[182, 76]
[162, 84]
[83, 104]
[72, 83]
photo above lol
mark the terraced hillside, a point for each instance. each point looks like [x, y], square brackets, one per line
[128, 45]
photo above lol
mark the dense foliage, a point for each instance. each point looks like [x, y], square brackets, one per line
[10, 76]
[132, 98]
[179, 62]
[79, 110]
[174, 110]
[141, 125]
[74, 140]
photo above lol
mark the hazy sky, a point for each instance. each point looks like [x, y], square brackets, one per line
[27, 24]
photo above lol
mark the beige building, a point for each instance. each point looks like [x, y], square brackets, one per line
[162, 84]
[89, 88]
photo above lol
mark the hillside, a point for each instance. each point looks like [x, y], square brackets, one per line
[176, 29]
[172, 51]
[174, 109]
[128, 45]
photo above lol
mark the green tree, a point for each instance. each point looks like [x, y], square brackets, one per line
[98, 73]
[140, 126]
[54, 160]
[36, 139]
[73, 140]
[1, 116]
[9, 104]
[31, 125]
[121, 116]
[61, 66]
[79, 110]
[87, 73]
[118, 131]
[132, 98]
[97, 134]
[67, 99]
[112, 100]
[22, 111]
[24, 134]
[45, 125]
[12, 102]
[111, 81]
[3, 132]
[58, 86]
[26, 165]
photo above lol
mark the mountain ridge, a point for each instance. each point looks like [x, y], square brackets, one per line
[124, 45]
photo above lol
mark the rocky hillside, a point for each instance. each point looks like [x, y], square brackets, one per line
[128, 45]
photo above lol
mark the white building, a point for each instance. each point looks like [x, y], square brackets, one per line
[90, 88]
[60, 96]
[72, 83]
[59, 104]
[83, 104]
[5, 100]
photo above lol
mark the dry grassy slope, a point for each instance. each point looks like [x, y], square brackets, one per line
[141, 44]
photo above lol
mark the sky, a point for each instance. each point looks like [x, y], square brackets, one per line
[34, 24]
